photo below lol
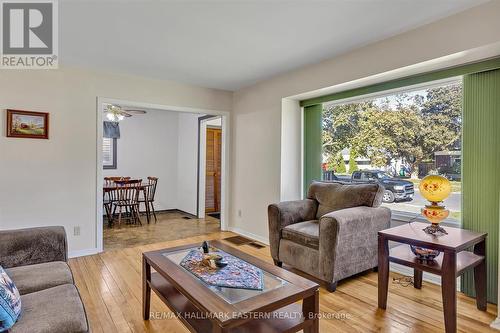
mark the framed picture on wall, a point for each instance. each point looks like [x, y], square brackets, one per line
[27, 124]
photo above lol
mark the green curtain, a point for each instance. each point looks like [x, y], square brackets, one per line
[481, 169]
[312, 144]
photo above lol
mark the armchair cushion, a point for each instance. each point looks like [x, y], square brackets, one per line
[305, 233]
[334, 196]
[286, 213]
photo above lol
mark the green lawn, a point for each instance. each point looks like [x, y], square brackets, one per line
[29, 131]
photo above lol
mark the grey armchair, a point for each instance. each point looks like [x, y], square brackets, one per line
[332, 234]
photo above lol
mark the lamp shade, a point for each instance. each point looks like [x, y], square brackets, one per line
[435, 188]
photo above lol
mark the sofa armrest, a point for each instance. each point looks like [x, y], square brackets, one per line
[32, 246]
[285, 213]
[348, 240]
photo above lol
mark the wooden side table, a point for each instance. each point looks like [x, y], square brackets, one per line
[450, 264]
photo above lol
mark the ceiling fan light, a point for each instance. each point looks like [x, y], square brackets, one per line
[120, 117]
[110, 116]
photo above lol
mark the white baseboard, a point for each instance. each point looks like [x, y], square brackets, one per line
[495, 324]
[249, 235]
[82, 253]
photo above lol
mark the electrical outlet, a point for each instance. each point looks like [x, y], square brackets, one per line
[76, 230]
[239, 212]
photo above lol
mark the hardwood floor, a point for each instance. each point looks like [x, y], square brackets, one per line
[170, 226]
[110, 286]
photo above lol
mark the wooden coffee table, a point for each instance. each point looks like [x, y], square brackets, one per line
[451, 263]
[205, 308]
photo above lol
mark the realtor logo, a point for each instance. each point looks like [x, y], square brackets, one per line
[29, 34]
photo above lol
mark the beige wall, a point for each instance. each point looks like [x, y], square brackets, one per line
[257, 110]
[53, 182]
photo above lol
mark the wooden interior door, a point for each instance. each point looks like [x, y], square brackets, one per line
[213, 170]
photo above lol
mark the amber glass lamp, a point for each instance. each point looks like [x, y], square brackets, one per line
[436, 189]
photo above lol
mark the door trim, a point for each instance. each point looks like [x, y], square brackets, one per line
[217, 136]
[200, 210]
[202, 163]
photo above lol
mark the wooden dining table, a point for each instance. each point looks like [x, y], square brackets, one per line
[113, 186]
[108, 187]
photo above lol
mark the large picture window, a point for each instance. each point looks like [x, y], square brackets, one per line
[396, 139]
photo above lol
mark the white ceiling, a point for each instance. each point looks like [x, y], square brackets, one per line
[230, 44]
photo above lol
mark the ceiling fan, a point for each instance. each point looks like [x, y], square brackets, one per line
[117, 113]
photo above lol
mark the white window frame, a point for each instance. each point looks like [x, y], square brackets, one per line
[113, 154]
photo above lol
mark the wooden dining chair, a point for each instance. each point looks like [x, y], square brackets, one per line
[111, 180]
[148, 197]
[108, 198]
[126, 199]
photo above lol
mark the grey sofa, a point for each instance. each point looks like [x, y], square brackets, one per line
[332, 234]
[36, 260]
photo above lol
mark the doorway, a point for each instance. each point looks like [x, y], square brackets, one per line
[213, 171]
[212, 140]
[181, 208]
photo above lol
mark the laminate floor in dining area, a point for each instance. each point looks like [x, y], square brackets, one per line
[170, 226]
[111, 288]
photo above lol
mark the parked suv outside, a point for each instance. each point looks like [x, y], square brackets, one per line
[396, 189]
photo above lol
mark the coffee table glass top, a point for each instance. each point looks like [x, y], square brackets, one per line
[230, 295]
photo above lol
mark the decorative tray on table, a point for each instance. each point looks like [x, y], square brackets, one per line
[218, 268]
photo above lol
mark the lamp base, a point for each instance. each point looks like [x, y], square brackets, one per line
[435, 229]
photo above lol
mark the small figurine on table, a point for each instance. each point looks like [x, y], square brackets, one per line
[212, 259]
[205, 247]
